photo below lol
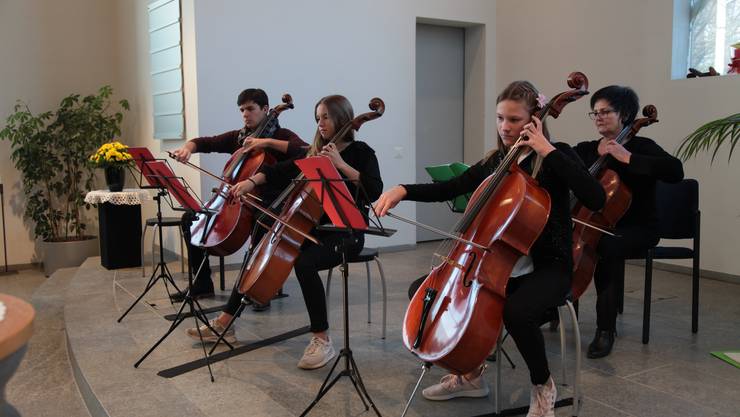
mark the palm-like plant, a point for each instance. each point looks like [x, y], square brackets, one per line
[710, 137]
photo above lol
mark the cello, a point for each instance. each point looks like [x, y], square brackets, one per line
[225, 229]
[275, 254]
[618, 199]
[455, 318]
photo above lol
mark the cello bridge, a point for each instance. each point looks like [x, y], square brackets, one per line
[451, 262]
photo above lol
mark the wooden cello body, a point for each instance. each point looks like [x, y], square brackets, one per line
[618, 200]
[268, 269]
[225, 231]
[466, 316]
[455, 317]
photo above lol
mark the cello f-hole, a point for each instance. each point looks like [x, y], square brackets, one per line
[467, 283]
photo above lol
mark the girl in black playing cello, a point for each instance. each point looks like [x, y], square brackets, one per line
[355, 161]
[542, 279]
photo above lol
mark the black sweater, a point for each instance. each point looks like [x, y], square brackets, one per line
[649, 163]
[358, 155]
[561, 172]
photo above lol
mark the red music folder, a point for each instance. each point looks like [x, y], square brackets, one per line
[316, 167]
[142, 158]
[162, 176]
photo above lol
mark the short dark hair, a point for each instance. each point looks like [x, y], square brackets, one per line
[256, 95]
[623, 99]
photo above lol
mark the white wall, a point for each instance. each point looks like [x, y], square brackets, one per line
[627, 42]
[312, 49]
[49, 50]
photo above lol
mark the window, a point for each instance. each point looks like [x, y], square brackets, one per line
[714, 25]
[165, 58]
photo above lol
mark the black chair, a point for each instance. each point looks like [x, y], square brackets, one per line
[677, 207]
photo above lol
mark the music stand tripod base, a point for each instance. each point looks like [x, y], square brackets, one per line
[350, 367]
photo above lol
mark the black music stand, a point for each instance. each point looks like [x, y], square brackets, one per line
[156, 173]
[160, 174]
[348, 221]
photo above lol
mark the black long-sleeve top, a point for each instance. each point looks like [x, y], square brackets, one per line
[561, 172]
[359, 155]
[648, 164]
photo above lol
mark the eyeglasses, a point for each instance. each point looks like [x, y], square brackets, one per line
[593, 115]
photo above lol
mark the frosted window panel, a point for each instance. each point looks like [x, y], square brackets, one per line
[163, 13]
[166, 60]
[168, 127]
[164, 38]
[168, 103]
[166, 82]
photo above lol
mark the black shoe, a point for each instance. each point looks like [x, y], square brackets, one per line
[196, 294]
[601, 345]
[260, 307]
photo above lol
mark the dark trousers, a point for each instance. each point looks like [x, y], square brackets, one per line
[235, 297]
[609, 273]
[528, 299]
[196, 254]
[315, 258]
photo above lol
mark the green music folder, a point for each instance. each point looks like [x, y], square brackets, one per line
[446, 172]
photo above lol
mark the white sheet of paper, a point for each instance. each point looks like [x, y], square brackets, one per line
[2, 311]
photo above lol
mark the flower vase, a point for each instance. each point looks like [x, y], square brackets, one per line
[115, 176]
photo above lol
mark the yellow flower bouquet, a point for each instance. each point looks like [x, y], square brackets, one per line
[113, 157]
[112, 154]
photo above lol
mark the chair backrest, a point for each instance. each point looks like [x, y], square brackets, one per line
[677, 207]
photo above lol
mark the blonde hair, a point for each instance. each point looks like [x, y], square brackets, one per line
[340, 112]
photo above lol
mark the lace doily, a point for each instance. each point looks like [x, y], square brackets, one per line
[129, 196]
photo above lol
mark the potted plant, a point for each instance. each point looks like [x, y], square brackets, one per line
[51, 151]
[113, 158]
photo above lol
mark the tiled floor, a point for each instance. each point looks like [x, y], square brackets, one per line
[672, 376]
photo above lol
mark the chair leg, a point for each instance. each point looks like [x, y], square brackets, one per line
[577, 378]
[647, 299]
[367, 270]
[182, 254]
[143, 262]
[385, 297]
[695, 296]
[562, 345]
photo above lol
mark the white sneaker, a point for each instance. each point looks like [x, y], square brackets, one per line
[542, 400]
[209, 336]
[317, 353]
[454, 386]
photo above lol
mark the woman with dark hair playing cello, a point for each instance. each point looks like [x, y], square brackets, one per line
[355, 161]
[639, 163]
[542, 279]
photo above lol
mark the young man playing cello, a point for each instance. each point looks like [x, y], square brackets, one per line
[355, 161]
[281, 143]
